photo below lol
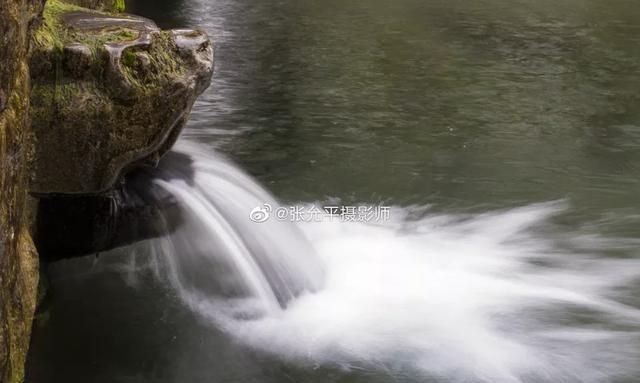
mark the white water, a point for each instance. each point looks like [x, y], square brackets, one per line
[484, 298]
[218, 237]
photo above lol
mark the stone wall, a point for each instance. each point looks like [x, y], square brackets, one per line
[18, 260]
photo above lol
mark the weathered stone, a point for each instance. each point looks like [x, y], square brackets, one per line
[18, 261]
[192, 46]
[97, 22]
[110, 92]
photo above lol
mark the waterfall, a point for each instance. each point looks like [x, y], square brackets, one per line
[217, 250]
[499, 297]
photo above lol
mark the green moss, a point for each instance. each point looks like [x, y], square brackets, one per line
[53, 34]
[119, 5]
[17, 280]
[163, 57]
[110, 103]
[47, 99]
[57, 7]
[128, 58]
[96, 40]
[127, 34]
[163, 68]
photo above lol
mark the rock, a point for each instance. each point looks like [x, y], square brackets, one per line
[109, 93]
[3, 101]
[18, 261]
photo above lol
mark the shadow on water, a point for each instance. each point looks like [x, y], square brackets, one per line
[131, 213]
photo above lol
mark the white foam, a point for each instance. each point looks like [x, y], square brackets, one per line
[471, 299]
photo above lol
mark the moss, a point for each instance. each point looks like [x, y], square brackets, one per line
[51, 33]
[119, 5]
[95, 40]
[163, 68]
[127, 34]
[128, 58]
[164, 62]
[17, 279]
[110, 99]
[57, 7]
[54, 34]
[51, 101]
[55, 86]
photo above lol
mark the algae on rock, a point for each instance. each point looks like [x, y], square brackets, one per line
[18, 260]
[101, 5]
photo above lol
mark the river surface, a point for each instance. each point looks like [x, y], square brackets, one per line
[454, 112]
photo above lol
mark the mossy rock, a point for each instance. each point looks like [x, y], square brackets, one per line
[18, 260]
[109, 92]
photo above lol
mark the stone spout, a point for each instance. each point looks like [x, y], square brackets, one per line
[110, 92]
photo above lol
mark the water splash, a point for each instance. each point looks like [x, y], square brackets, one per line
[487, 298]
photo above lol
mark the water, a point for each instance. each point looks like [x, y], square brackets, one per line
[435, 295]
[504, 134]
[459, 299]
[270, 262]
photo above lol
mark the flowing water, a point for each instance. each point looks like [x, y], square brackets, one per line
[502, 135]
[270, 262]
